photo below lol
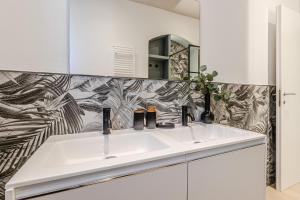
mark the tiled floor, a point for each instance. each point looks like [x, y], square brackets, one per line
[292, 193]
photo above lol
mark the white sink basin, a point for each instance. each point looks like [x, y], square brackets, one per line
[89, 149]
[201, 134]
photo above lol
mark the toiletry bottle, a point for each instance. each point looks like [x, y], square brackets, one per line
[151, 117]
[139, 119]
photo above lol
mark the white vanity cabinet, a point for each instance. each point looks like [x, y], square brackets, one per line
[168, 183]
[228, 165]
[237, 175]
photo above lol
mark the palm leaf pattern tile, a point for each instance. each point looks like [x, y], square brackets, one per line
[35, 106]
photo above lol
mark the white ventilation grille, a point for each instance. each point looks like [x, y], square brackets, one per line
[124, 61]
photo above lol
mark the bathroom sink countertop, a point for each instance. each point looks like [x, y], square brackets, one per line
[68, 161]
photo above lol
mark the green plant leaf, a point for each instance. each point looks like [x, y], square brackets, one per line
[209, 77]
[214, 73]
[202, 68]
[217, 97]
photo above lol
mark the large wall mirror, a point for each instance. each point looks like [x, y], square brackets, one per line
[157, 39]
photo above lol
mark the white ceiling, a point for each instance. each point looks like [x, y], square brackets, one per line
[184, 7]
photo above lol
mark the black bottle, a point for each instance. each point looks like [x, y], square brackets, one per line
[151, 117]
[139, 119]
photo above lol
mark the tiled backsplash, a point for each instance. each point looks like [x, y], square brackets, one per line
[35, 106]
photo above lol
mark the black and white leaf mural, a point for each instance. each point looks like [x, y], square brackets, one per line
[179, 60]
[35, 106]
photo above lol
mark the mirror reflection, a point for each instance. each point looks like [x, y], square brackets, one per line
[173, 57]
[135, 38]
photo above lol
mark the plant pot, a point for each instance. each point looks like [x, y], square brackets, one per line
[207, 116]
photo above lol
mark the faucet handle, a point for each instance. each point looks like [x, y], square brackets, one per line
[185, 115]
[191, 116]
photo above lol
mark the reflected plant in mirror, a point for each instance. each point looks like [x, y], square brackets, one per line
[204, 84]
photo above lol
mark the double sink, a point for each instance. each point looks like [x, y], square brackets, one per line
[82, 150]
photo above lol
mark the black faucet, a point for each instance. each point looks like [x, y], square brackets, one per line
[185, 115]
[106, 121]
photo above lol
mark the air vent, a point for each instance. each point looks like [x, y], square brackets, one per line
[124, 61]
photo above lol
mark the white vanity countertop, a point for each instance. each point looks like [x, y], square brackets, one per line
[68, 161]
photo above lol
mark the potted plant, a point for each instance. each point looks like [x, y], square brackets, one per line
[204, 84]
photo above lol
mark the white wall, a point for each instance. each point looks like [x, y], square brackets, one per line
[34, 35]
[223, 38]
[236, 39]
[97, 25]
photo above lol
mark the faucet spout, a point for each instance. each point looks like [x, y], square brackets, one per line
[106, 121]
[185, 115]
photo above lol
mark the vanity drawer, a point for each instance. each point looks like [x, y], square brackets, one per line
[237, 175]
[168, 183]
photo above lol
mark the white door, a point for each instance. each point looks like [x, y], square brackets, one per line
[288, 103]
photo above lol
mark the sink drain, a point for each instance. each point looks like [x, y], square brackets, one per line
[110, 157]
[197, 142]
